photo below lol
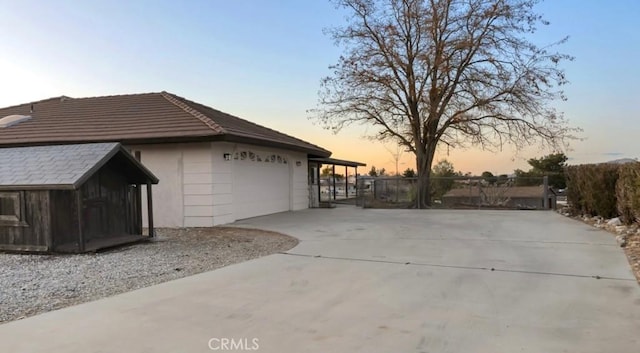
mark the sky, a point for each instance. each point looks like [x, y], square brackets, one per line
[263, 61]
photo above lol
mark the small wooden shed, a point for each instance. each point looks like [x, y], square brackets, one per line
[71, 198]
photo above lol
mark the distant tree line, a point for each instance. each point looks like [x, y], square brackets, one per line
[442, 174]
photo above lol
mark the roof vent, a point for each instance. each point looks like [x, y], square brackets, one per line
[11, 120]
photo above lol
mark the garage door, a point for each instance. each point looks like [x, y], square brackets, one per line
[261, 184]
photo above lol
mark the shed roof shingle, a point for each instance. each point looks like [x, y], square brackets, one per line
[59, 166]
[137, 118]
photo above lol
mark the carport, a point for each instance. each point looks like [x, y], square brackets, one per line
[315, 181]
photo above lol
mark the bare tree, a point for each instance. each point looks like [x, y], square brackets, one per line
[459, 73]
[395, 155]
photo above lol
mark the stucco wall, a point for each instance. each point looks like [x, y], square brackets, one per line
[165, 161]
[300, 195]
[196, 186]
[222, 183]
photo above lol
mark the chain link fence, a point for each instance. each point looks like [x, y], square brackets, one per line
[518, 193]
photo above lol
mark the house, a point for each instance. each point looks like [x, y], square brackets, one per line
[71, 198]
[215, 168]
[507, 196]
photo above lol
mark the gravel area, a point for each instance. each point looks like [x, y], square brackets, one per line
[33, 284]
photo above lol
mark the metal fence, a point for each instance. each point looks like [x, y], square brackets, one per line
[523, 193]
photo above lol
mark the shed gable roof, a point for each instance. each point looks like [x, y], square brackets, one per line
[137, 118]
[63, 166]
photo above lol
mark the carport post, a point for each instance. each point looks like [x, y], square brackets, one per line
[333, 168]
[346, 182]
[356, 183]
[545, 193]
[319, 184]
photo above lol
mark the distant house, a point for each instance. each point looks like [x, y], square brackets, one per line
[71, 198]
[215, 168]
[519, 197]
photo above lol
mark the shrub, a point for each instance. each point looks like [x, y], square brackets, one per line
[591, 189]
[628, 192]
[574, 187]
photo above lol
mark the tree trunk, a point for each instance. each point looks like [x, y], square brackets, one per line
[424, 160]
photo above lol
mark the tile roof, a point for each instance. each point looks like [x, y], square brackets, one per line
[137, 118]
[56, 167]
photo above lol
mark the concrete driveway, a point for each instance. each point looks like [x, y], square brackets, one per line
[377, 281]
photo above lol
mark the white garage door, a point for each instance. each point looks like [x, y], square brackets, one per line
[261, 184]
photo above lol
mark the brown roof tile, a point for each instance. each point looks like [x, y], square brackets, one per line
[137, 118]
[239, 127]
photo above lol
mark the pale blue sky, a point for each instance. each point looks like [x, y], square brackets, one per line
[263, 60]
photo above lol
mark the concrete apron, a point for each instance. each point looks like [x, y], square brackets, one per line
[376, 281]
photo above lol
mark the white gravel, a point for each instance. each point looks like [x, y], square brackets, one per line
[33, 284]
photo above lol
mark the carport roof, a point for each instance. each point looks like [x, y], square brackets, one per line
[335, 161]
[65, 166]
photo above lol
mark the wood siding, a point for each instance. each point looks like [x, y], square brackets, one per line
[105, 211]
[33, 230]
[64, 220]
[107, 206]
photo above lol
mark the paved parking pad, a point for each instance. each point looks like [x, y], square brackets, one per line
[377, 281]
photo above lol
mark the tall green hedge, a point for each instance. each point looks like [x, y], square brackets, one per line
[628, 192]
[591, 188]
[606, 190]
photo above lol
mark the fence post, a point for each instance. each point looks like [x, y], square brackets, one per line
[545, 193]
[346, 182]
[333, 172]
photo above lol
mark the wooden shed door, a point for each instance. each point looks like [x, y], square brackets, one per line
[106, 199]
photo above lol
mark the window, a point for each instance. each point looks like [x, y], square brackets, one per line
[10, 207]
[256, 157]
